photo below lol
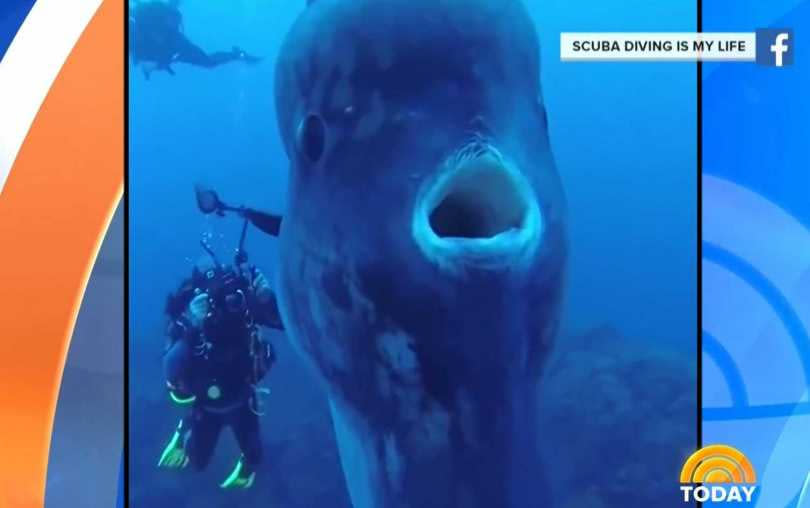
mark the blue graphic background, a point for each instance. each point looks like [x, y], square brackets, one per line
[86, 443]
[12, 14]
[120, 503]
[756, 246]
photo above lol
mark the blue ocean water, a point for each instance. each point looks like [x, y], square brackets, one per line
[623, 135]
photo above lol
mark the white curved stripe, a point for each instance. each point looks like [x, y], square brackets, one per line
[786, 471]
[804, 496]
[30, 66]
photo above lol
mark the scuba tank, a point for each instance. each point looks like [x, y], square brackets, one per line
[229, 289]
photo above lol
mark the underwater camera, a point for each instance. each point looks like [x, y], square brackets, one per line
[228, 287]
[229, 292]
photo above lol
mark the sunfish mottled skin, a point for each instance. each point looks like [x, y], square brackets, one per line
[423, 249]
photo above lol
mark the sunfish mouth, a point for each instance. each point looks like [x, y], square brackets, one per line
[478, 211]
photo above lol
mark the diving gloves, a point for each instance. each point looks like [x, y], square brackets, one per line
[240, 478]
[174, 455]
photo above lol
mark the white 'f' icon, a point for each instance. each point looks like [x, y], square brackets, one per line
[779, 48]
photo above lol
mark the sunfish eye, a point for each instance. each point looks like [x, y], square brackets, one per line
[312, 138]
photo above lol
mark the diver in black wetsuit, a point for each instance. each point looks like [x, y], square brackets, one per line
[157, 41]
[215, 360]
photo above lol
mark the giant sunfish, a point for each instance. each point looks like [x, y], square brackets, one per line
[423, 248]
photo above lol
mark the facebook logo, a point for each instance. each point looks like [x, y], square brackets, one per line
[775, 47]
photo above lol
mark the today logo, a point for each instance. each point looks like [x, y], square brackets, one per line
[720, 474]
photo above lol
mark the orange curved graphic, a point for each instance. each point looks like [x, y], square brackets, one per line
[718, 464]
[54, 211]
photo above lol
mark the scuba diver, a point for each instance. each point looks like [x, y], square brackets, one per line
[157, 40]
[217, 357]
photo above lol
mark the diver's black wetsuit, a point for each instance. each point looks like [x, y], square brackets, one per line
[156, 36]
[219, 363]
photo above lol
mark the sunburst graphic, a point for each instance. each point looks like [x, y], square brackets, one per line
[718, 464]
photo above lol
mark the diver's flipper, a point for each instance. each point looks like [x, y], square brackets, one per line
[146, 73]
[267, 222]
[239, 478]
[251, 59]
[208, 200]
[174, 455]
[244, 56]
